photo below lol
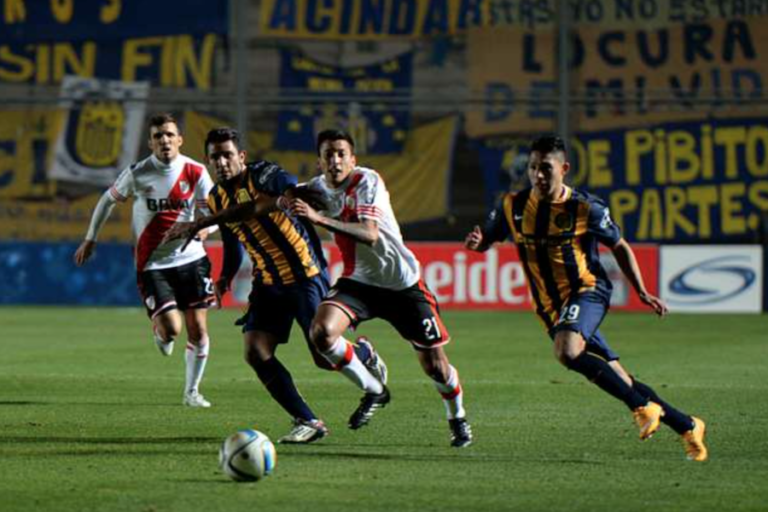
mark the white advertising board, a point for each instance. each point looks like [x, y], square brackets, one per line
[712, 278]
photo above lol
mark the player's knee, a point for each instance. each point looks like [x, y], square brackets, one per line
[169, 331]
[322, 334]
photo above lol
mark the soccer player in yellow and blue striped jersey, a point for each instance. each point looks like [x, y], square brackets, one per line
[289, 270]
[557, 231]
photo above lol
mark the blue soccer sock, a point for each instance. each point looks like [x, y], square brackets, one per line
[278, 381]
[598, 371]
[675, 419]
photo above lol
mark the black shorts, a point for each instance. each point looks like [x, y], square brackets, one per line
[186, 287]
[413, 311]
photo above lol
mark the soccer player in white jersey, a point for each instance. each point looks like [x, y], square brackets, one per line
[381, 279]
[174, 281]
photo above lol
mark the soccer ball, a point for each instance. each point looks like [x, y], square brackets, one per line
[247, 456]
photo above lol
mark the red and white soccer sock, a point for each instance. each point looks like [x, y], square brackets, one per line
[453, 395]
[342, 356]
[196, 356]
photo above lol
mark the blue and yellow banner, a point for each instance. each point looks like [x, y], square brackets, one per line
[620, 76]
[27, 143]
[170, 44]
[410, 19]
[371, 102]
[702, 182]
[418, 178]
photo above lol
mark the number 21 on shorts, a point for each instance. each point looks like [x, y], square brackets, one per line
[431, 328]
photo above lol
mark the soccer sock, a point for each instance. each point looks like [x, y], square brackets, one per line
[196, 356]
[600, 372]
[342, 356]
[675, 419]
[278, 381]
[453, 395]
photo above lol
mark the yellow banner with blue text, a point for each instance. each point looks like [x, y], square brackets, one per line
[621, 77]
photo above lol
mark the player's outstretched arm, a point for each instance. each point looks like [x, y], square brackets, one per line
[100, 215]
[627, 261]
[366, 232]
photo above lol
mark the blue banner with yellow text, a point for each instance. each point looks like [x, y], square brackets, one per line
[169, 43]
[685, 182]
[371, 102]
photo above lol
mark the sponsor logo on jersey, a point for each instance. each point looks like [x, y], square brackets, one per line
[166, 204]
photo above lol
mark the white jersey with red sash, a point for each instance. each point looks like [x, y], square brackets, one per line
[163, 195]
[363, 196]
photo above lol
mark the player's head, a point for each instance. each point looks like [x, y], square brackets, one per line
[165, 138]
[336, 155]
[548, 165]
[223, 153]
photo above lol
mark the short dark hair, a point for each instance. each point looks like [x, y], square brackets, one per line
[549, 144]
[222, 134]
[159, 120]
[333, 135]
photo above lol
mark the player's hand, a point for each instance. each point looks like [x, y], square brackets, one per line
[84, 252]
[301, 208]
[474, 239]
[186, 230]
[203, 234]
[659, 306]
[220, 289]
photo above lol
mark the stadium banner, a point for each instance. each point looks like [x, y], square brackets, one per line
[708, 279]
[27, 141]
[623, 77]
[692, 182]
[60, 221]
[390, 19]
[44, 273]
[425, 164]
[371, 102]
[170, 43]
[461, 279]
[100, 136]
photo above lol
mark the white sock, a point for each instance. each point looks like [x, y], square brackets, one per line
[342, 356]
[196, 357]
[453, 395]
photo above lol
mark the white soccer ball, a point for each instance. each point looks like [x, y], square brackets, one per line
[247, 456]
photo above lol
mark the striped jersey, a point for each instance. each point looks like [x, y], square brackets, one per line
[363, 196]
[558, 245]
[163, 195]
[284, 249]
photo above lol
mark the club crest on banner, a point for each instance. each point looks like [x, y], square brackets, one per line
[104, 122]
[98, 133]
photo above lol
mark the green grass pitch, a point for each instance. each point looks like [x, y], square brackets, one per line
[91, 420]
